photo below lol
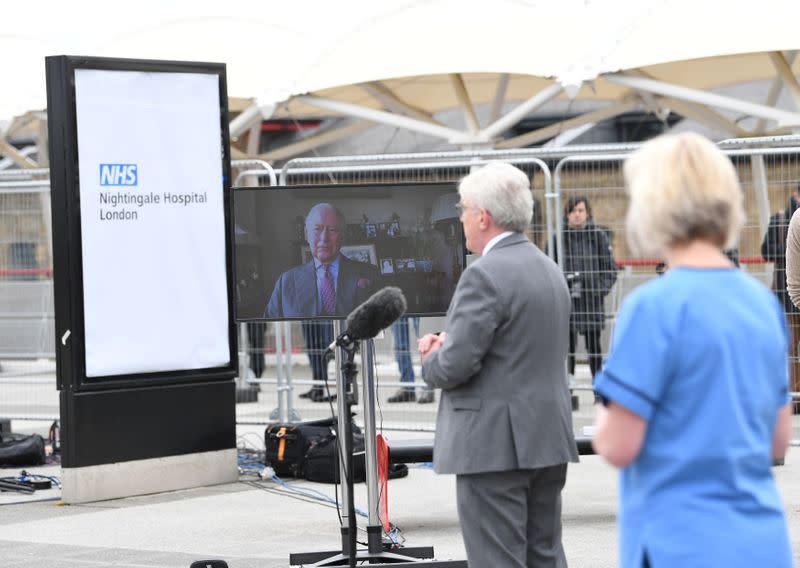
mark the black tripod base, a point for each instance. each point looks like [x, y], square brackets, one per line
[408, 556]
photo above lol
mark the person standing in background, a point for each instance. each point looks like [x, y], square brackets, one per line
[255, 341]
[777, 248]
[694, 392]
[318, 335]
[401, 341]
[590, 270]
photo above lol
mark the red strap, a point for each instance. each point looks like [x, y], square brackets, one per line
[382, 449]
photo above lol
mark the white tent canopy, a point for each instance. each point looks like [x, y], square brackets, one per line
[400, 63]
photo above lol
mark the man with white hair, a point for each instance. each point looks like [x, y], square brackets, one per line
[504, 425]
[330, 284]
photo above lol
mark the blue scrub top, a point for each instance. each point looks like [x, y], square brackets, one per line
[701, 356]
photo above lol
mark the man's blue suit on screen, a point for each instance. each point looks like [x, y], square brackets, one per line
[295, 294]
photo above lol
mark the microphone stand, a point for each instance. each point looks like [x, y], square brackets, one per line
[349, 396]
[349, 554]
[345, 383]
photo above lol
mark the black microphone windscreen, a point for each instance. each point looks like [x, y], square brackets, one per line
[378, 312]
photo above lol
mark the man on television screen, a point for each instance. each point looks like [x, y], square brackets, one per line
[330, 285]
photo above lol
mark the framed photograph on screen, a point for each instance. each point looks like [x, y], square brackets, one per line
[386, 266]
[405, 264]
[361, 253]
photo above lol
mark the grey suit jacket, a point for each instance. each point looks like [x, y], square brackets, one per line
[295, 292]
[505, 404]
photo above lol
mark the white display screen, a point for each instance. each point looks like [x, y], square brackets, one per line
[152, 221]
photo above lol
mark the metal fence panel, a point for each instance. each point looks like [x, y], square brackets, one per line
[769, 170]
[27, 334]
[396, 356]
[768, 177]
[767, 174]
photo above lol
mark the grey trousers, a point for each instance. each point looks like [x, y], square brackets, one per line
[512, 519]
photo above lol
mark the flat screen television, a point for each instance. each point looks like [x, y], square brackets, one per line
[316, 252]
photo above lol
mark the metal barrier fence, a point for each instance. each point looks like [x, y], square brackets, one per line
[767, 175]
[27, 335]
[395, 353]
[274, 357]
[27, 331]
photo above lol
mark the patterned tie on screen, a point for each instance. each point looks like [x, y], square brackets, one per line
[328, 293]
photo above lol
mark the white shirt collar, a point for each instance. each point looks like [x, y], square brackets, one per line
[334, 265]
[494, 241]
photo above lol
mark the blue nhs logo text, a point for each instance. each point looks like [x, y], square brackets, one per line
[119, 174]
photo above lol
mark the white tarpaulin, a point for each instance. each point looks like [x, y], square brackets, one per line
[274, 49]
[405, 54]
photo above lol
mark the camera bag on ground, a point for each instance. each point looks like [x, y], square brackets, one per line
[322, 459]
[309, 449]
[286, 444]
[21, 450]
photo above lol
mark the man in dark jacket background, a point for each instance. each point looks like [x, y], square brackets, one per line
[589, 267]
[773, 249]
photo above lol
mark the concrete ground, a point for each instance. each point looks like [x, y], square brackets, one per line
[257, 524]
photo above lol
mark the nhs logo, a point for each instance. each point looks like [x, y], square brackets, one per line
[119, 174]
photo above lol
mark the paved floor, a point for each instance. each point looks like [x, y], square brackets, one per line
[258, 524]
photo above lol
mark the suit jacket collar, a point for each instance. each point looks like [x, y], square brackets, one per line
[347, 284]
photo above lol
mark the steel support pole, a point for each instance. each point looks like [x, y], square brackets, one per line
[370, 446]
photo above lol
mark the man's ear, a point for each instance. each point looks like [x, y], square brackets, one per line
[486, 219]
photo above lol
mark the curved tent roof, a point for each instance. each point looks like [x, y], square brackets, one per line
[403, 62]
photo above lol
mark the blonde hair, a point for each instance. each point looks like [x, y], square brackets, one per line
[682, 188]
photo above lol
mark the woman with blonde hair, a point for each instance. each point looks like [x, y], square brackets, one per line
[695, 400]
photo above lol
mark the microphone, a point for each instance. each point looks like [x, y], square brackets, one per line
[377, 313]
